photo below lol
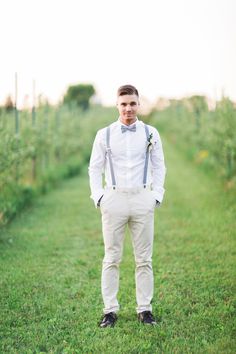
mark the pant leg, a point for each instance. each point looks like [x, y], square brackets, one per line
[141, 225]
[114, 220]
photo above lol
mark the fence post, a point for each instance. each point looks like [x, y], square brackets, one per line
[45, 134]
[16, 110]
[57, 131]
[33, 105]
[34, 171]
[17, 128]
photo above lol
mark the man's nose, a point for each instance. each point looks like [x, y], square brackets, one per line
[128, 107]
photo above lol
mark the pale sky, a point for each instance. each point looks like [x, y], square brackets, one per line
[166, 48]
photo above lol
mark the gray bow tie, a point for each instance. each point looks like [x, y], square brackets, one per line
[124, 128]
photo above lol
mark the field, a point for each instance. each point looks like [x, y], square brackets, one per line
[51, 262]
[50, 265]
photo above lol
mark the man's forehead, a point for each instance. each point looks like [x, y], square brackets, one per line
[127, 98]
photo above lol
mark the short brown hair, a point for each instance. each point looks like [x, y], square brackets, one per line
[127, 90]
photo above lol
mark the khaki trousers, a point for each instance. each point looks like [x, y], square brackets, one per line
[135, 208]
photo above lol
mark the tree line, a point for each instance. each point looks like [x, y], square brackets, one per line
[76, 96]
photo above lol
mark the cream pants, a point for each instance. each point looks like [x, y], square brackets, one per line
[135, 208]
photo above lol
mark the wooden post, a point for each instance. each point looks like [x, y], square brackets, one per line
[16, 109]
[34, 168]
[16, 128]
[57, 132]
[33, 105]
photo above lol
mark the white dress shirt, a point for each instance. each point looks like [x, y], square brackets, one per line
[128, 151]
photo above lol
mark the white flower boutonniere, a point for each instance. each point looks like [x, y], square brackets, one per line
[150, 142]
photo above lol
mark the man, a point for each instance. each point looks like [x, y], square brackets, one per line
[130, 154]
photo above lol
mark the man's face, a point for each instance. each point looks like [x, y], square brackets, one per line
[128, 106]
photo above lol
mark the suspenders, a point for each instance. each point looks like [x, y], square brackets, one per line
[146, 159]
[110, 158]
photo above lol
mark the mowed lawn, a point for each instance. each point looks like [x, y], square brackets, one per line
[50, 266]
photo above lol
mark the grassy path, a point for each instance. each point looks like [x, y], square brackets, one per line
[50, 264]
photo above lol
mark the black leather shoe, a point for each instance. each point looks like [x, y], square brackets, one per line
[108, 320]
[147, 317]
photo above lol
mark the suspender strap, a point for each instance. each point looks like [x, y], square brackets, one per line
[146, 159]
[110, 159]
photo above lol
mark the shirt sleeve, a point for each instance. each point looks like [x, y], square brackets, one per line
[96, 168]
[158, 167]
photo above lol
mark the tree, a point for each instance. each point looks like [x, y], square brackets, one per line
[79, 95]
[198, 105]
[9, 105]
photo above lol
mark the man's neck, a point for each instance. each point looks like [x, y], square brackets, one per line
[128, 121]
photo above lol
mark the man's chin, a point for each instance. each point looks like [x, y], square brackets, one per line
[129, 118]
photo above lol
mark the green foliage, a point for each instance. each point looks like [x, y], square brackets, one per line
[207, 137]
[225, 137]
[197, 104]
[79, 95]
[52, 147]
[9, 105]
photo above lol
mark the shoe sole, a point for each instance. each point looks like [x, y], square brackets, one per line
[108, 325]
[148, 323]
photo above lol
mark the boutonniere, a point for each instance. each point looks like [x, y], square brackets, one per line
[150, 142]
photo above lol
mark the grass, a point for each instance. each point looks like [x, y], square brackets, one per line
[50, 266]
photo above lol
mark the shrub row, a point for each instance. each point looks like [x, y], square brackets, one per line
[53, 145]
[206, 136]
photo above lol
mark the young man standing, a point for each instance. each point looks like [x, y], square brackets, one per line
[130, 154]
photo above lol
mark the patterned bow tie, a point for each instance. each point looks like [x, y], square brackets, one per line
[124, 128]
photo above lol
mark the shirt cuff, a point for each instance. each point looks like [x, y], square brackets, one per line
[159, 194]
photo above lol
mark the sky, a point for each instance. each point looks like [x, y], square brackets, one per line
[166, 48]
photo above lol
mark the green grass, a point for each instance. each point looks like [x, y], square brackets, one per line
[50, 266]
